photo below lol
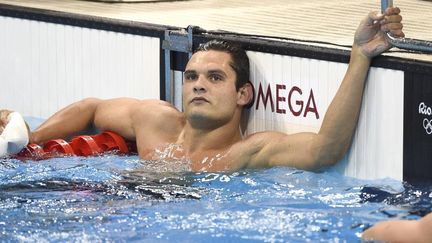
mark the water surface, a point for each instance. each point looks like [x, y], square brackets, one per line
[118, 198]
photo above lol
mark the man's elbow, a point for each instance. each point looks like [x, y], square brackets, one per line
[329, 154]
[329, 159]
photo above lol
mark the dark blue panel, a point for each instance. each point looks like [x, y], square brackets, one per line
[417, 126]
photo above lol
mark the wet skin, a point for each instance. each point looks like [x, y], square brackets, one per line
[206, 132]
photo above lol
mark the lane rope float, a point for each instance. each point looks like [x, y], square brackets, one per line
[83, 145]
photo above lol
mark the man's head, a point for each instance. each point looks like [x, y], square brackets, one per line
[215, 84]
[239, 59]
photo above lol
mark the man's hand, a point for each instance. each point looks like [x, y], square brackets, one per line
[4, 119]
[370, 36]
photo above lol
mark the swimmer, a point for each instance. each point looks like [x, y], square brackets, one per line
[401, 231]
[215, 91]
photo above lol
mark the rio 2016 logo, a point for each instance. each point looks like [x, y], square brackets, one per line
[427, 111]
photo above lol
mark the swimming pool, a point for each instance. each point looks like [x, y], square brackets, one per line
[114, 198]
[104, 199]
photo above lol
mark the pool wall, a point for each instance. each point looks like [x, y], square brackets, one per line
[45, 66]
[53, 58]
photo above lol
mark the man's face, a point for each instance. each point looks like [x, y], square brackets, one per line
[209, 91]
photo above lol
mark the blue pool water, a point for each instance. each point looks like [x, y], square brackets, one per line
[110, 198]
[114, 198]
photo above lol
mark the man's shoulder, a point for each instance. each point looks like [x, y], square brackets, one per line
[152, 103]
[157, 111]
[155, 108]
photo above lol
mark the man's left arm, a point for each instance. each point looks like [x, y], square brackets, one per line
[314, 150]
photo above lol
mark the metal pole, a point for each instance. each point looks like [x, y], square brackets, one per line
[386, 4]
[168, 79]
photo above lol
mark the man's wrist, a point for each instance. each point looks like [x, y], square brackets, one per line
[357, 55]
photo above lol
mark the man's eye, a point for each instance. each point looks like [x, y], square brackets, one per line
[190, 77]
[216, 77]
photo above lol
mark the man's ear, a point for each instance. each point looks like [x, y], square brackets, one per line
[245, 94]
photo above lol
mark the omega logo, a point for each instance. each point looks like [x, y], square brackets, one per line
[283, 99]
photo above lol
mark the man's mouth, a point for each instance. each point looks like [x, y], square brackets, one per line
[199, 100]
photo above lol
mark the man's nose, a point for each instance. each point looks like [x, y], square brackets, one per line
[199, 85]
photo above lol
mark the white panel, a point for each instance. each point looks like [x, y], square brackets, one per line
[377, 147]
[377, 150]
[45, 66]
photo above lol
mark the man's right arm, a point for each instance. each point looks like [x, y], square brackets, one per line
[72, 119]
[112, 114]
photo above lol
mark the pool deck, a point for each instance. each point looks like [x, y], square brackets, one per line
[332, 21]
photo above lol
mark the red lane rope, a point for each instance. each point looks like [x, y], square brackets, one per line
[79, 146]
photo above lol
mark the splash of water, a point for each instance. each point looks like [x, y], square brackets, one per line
[208, 162]
[168, 158]
[172, 158]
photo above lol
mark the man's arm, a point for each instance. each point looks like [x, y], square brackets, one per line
[112, 114]
[310, 150]
[66, 122]
[401, 231]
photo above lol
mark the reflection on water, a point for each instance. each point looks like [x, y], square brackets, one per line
[171, 158]
[114, 198]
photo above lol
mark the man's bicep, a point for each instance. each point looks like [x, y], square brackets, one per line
[115, 115]
[279, 149]
[128, 116]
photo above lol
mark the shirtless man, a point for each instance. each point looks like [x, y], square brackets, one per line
[215, 90]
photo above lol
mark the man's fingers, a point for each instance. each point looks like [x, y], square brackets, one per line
[391, 19]
[391, 11]
[394, 28]
[391, 14]
[374, 17]
[397, 33]
[392, 22]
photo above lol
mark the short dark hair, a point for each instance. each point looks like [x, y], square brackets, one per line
[240, 61]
